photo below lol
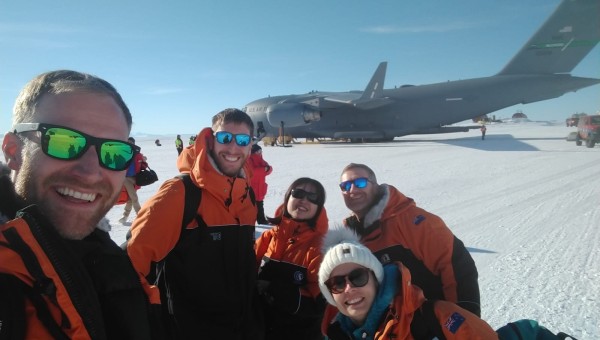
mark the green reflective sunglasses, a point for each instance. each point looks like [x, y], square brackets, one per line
[67, 144]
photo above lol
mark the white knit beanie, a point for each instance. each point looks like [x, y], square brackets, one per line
[341, 245]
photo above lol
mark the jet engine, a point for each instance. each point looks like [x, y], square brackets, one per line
[292, 114]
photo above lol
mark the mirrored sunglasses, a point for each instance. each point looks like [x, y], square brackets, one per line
[360, 183]
[357, 278]
[224, 137]
[68, 144]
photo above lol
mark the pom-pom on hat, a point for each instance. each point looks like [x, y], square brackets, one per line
[341, 245]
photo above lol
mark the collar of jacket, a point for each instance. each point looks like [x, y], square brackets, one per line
[293, 228]
[391, 203]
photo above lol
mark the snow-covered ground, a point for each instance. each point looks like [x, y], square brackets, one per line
[525, 202]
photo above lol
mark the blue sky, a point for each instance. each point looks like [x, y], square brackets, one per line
[177, 63]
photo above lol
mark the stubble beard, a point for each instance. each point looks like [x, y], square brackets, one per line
[68, 224]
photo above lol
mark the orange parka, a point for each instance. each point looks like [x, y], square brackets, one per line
[75, 289]
[216, 269]
[289, 256]
[396, 306]
[395, 229]
[296, 243]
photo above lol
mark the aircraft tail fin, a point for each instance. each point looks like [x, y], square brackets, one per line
[375, 87]
[570, 33]
[372, 97]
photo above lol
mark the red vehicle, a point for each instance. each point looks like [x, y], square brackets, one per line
[588, 130]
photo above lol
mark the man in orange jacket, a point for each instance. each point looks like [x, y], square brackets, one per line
[61, 276]
[395, 229]
[209, 267]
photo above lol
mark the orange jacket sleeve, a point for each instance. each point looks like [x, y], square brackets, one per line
[157, 227]
[458, 323]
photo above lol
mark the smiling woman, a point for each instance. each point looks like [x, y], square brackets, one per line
[371, 301]
[289, 255]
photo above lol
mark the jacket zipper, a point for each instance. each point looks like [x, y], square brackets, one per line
[89, 317]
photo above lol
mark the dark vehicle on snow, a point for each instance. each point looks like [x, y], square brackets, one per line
[573, 121]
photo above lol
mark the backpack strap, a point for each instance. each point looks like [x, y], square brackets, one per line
[193, 196]
[42, 285]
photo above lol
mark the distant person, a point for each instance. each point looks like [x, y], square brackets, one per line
[260, 170]
[192, 140]
[373, 301]
[483, 130]
[157, 142]
[138, 163]
[395, 229]
[178, 144]
[289, 255]
[61, 275]
[210, 267]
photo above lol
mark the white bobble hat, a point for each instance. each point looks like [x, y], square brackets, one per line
[341, 245]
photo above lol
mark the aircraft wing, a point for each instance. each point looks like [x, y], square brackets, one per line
[371, 98]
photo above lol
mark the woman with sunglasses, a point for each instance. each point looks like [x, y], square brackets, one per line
[371, 301]
[289, 255]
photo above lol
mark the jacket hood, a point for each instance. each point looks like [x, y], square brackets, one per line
[196, 160]
[392, 202]
[204, 173]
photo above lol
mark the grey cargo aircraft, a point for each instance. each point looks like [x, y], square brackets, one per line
[539, 71]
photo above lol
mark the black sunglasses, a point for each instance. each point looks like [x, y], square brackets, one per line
[359, 277]
[68, 144]
[312, 197]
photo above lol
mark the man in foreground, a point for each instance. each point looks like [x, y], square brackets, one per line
[60, 275]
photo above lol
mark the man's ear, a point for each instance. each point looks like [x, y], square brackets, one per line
[11, 147]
